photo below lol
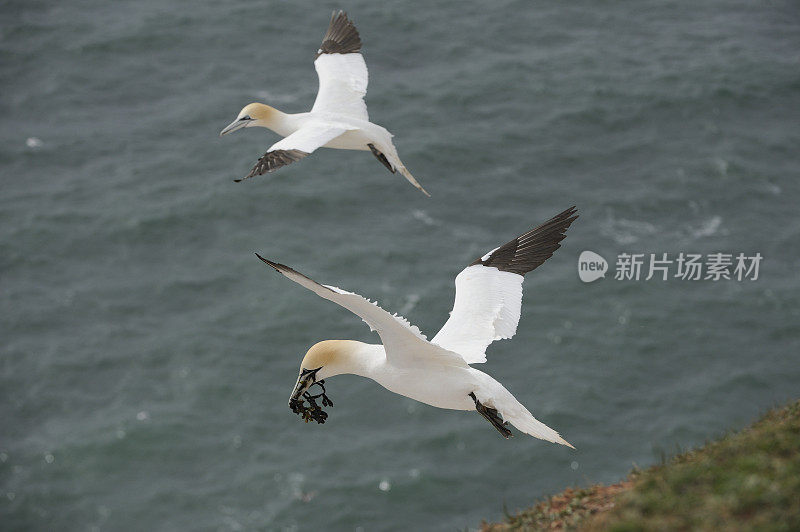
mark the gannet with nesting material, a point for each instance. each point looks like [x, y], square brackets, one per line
[437, 372]
[339, 116]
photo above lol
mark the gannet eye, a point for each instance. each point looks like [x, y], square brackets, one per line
[310, 374]
[245, 118]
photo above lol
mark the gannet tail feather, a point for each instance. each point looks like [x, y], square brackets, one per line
[532, 426]
[411, 179]
[384, 150]
[515, 413]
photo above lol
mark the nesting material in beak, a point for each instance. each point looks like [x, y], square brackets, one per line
[300, 394]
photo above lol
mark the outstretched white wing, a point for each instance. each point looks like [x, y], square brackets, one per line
[400, 339]
[308, 138]
[489, 291]
[342, 72]
[299, 144]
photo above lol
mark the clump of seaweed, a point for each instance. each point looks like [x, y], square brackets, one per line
[312, 412]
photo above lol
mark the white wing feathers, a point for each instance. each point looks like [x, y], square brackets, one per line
[342, 72]
[399, 337]
[487, 308]
[487, 305]
[308, 138]
[296, 146]
[343, 82]
[489, 291]
[373, 315]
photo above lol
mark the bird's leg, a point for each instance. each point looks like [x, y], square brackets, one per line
[381, 157]
[492, 417]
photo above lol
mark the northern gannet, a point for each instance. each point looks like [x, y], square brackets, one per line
[437, 372]
[339, 116]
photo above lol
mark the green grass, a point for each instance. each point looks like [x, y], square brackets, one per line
[748, 480]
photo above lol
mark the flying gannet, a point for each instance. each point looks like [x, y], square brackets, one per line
[437, 372]
[339, 116]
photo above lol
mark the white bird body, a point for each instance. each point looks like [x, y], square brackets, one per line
[424, 380]
[435, 382]
[437, 372]
[356, 133]
[339, 117]
[444, 386]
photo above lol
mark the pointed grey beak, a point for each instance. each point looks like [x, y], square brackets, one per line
[233, 126]
[304, 381]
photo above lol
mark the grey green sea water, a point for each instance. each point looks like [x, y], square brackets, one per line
[146, 355]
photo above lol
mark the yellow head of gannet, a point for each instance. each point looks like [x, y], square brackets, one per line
[325, 359]
[253, 114]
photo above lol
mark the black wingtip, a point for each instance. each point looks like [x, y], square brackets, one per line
[528, 251]
[274, 265]
[563, 219]
[272, 160]
[569, 215]
[342, 36]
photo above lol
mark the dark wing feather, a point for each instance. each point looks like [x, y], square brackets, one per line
[286, 270]
[341, 37]
[272, 160]
[529, 251]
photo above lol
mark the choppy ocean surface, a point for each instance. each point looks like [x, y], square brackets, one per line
[146, 356]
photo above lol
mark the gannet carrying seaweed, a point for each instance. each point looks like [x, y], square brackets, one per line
[437, 372]
[339, 116]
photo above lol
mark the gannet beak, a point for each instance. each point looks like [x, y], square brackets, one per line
[304, 381]
[233, 126]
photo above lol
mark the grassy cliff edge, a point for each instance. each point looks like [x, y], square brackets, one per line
[744, 480]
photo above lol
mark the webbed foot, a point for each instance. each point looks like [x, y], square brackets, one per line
[492, 417]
